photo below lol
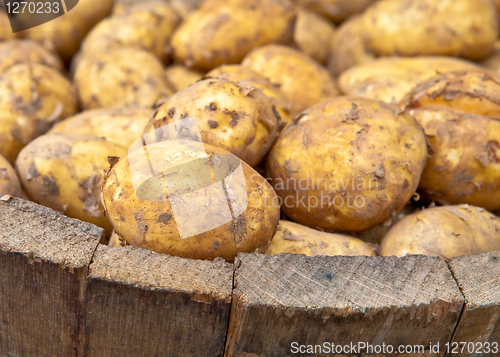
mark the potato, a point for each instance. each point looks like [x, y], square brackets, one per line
[492, 62]
[234, 116]
[313, 34]
[5, 28]
[9, 182]
[236, 73]
[302, 80]
[391, 78]
[27, 51]
[115, 240]
[224, 31]
[464, 166]
[192, 222]
[146, 25]
[446, 232]
[336, 10]
[64, 171]
[120, 126]
[297, 239]
[462, 28]
[347, 164]
[32, 98]
[119, 78]
[180, 76]
[65, 33]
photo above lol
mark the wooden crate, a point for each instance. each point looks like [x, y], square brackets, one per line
[62, 293]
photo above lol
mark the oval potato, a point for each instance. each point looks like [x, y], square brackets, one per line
[27, 51]
[336, 10]
[9, 182]
[180, 76]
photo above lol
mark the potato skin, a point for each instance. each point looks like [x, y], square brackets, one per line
[147, 26]
[464, 165]
[313, 34]
[236, 73]
[391, 78]
[151, 224]
[298, 239]
[492, 62]
[303, 80]
[335, 10]
[64, 171]
[9, 182]
[27, 51]
[224, 31]
[234, 116]
[180, 76]
[446, 232]
[120, 126]
[119, 78]
[347, 164]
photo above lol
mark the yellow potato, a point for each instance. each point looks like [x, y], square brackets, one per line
[64, 171]
[313, 34]
[170, 211]
[336, 10]
[119, 78]
[347, 164]
[15, 132]
[391, 78]
[121, 126]
[27, 51]
[302, 80]
[9, 182]
[297, 239]
[492, 62]
[224, 31]
[236, 73]
[446, 232]
[147, 26]
[180, 76]
[234, 116]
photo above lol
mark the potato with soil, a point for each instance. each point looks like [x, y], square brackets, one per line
[121, 126]
[9, 182]
[119, 78]
[27, 51]
[224, 31]
[236, 73]
[180, 76]
[347, 164]
[461, 28]
[302, 80]
[32, 98]
[313, 34]
[336, 10]
[234, 116]
[446, 232]
[297, 239]
[192, 205]
[147, 26]
[64, 171]
[391, 78]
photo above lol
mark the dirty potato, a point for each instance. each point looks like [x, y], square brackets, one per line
[391, 78]
[119, 78]
[347, 164]
[27, 51]
[313, 34]
[9, 182]
[64, 171]
[224, 31]
[446, 232]
[121, 126]
[234, 116]
[202, 216]
[236, 73]
[180, 76]
[147, 26]
[298, 239]
[302, 80]
[464, 162]
[335, 10]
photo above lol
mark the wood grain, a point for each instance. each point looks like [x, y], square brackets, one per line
[288, 298]
[44, 257]
[478, 277]
[140, 303]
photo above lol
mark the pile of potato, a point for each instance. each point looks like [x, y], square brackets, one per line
[318, 127]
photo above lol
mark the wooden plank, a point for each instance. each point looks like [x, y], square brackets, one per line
[281, 299]
[478, 277]
[44, 257]
[140, 303]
